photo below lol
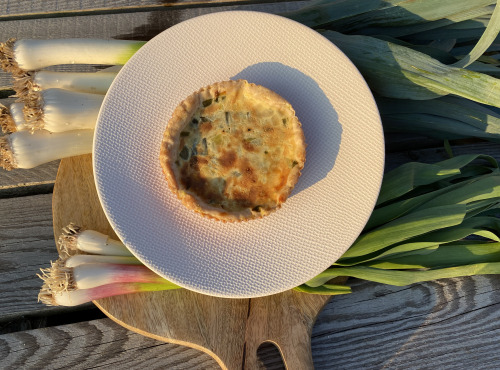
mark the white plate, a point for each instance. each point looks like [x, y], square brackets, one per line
[332, 200]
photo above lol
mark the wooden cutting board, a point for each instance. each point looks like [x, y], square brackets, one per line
[230, 330]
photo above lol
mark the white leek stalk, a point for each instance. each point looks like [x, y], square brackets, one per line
[58, 110]
[19, 56]
[81, 259]
[25, 150]
[72, 286]
[74, 240]
[87, 82]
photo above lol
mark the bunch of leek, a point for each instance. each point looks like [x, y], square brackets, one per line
[59, 109]
[93, 266]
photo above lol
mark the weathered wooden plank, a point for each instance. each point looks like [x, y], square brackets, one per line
[54, 8]
[452, 323]
[95, 344]
[20, 182]
[26, 245]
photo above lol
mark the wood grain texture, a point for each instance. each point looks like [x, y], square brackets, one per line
[95, 344]
[25, 182]
[52, 8]
[285, 320]
[444, 324]
[26, 245]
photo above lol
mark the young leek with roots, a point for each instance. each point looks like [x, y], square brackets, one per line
[58, 110]
[74, 240]
[91, 275]
[86, 82]
[23, 149]
[70, 286]
[20, 56]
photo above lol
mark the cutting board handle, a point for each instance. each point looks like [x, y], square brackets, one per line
[286, 320]
[293, 358]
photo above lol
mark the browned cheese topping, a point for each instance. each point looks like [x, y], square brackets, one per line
[236, 151]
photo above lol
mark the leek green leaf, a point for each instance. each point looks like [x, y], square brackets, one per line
[444, 256]
[402, 278]
[325, 289]
[411, 175]
[397, 250]
[450, 107]
[408, 176]
[406, 227]
[436, 127]
[487, 187]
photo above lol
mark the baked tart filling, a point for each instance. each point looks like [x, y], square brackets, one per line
[233, 151]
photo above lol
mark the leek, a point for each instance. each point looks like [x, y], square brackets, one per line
[86, 82]
[109, 270]
[402, 278]
[19, 56]
[58, 110]
[422, 223]
[25, 150]
[81, 296]
[75, 240]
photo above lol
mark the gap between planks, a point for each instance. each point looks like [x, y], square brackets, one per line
[136, 8]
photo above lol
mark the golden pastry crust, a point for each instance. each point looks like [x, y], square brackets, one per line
[233, 151]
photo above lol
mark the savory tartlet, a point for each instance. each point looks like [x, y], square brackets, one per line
[233, 151]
